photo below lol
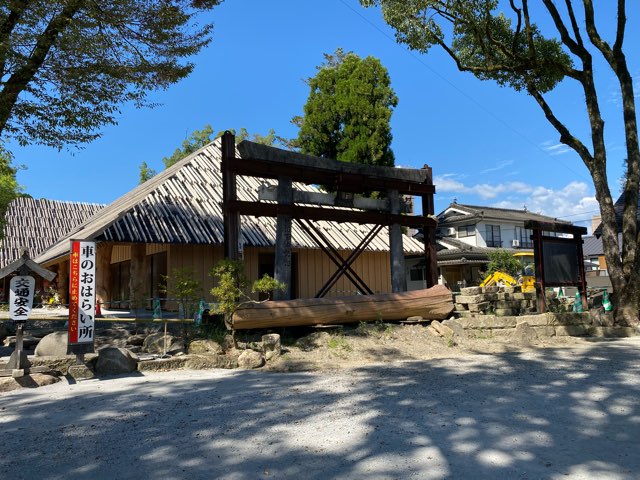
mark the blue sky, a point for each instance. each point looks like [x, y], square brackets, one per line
[487, 145]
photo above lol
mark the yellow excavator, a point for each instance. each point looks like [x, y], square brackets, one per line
[526, 280]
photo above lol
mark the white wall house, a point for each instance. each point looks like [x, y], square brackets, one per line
[467, 233]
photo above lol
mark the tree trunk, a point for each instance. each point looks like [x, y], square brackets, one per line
[435, 303]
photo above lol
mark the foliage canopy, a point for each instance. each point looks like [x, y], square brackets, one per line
[348, 111]
[68, 65]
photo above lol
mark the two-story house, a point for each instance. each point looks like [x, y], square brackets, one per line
[467, 233]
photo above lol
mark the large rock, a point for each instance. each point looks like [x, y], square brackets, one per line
[115, 361]
[456, 327]
[204, 347]
[33, 380]
[271, 346]
[443, 330]
[313, 341]
[250, 359]
[53, 345]
[154, 343]
[28, 341]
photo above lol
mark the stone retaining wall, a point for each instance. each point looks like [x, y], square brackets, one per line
[545, 325]
[498, 301]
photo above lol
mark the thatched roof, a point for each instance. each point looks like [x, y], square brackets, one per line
[38, 223]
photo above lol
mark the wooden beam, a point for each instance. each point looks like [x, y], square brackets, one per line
[266, 154]
[269, 192]
[555, 227]
[334, 214]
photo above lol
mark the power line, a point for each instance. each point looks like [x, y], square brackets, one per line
[460, 91]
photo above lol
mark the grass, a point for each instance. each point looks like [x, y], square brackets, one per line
[339, 342]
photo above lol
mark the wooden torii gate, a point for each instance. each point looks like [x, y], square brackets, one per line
[346, 179]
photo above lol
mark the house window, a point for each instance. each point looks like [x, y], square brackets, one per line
[417, 274]
[524, 237]
[493, 236]
[466, 231]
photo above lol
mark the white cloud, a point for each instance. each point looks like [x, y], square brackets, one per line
[554, 149]
[574, 202]
[498, 167]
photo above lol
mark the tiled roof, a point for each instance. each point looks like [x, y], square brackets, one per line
[38, 223]
[182, 205]
[476, 212]
[619, 208]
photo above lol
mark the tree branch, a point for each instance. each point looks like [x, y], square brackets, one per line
[22, 76]
[574, 23]
[575, 48]
[6, 28]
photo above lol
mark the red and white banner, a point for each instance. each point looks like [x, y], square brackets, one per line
[82, 292]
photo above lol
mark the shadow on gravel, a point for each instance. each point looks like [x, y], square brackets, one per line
[556, 413]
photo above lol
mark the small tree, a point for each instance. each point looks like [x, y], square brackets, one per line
[184, 289]
[231, 285]
[503, 261]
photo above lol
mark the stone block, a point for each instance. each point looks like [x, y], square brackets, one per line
[466, 299]
[491, 289]
[569, 318]
[460, 307]
[545, 331]
[250, 359]
[614, 332]
[508, 304]
[518, 296]
[504, 296]
[507, 289]
[491, 297]
[478, 307]
[456, 326]
[443, 330]
[471, 291]
[271, 346]
[432, 331]
[535, 320]
[505, 312]
[80, 372]
[571, 331]
[524, 334]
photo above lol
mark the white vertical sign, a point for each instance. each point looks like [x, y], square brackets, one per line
[21, 297]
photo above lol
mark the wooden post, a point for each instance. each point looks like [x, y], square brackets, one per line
[398, 274]
[63, 282]
[282, 270]
[429, 235]
[103, 274]
[541, 304]
[583, 279]
[231, 219]
[136, 276]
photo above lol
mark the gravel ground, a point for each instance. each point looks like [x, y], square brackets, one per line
[551, 413]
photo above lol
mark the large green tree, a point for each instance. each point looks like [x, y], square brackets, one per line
[67, 65]
[9, 187]
[200, 138]
[509, 48]
[348, 111]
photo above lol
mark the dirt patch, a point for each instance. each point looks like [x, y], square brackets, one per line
[365, 344]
